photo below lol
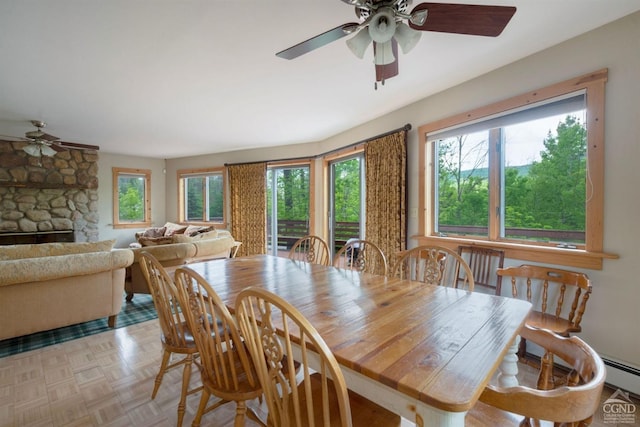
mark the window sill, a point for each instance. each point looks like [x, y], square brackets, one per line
[576, 258]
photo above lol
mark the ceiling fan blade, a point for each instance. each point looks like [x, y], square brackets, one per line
[384, 72]
[473, 19]
[56, 147]
[318, 41]
[40, 136]
[66, 144]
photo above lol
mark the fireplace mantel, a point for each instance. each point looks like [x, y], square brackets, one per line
[41, 185]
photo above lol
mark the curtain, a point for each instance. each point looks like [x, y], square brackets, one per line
[386, 165]
[248, 207]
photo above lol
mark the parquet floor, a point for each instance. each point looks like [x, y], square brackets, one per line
[103, 380]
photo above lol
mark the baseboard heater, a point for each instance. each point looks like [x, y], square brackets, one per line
[622, 376]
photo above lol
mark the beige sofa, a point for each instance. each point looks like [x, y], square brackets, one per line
[214, 246]
[52, 285]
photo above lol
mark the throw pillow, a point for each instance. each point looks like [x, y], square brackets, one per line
[173, 228]
[192, 230]
[154, 232]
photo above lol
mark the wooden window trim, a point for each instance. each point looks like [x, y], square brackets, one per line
[592, 254]
[184, 173]
[115, 173]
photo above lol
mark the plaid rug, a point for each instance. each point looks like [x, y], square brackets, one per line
[138, 310]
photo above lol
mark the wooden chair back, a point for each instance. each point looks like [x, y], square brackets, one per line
[435, 265]
[176, 335]
[311, 249]
[261, 316]
[225, 365]
[575, 401]
[361, 255]
[559, 297]
[484, 262]
[276, 334]
[174, 327]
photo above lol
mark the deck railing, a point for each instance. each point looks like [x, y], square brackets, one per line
[289, 231]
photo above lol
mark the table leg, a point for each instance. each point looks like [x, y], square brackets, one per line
[509, 366]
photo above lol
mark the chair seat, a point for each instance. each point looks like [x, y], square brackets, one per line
[549, 321]
[232, 388]
[369, 414]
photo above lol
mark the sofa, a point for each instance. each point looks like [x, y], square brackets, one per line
[51, 285]
[218, 244]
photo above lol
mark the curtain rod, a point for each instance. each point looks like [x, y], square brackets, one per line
[406, 127]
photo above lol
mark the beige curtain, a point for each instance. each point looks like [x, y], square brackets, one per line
[386, 163]
[248, 207]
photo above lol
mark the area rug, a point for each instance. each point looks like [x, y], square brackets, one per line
[138, 310]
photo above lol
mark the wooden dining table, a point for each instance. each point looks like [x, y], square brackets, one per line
[424, 352]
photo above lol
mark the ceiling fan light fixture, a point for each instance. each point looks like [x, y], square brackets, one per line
[384, 53]
[407, 37]
[32, 150]
[359, 43]
[383, 25]
[47, 151]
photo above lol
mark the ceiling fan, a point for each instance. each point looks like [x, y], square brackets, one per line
[382, 23]
[42, 144]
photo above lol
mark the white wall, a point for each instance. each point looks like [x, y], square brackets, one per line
[124, 236]
[612, 314]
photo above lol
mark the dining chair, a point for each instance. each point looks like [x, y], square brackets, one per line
[361, 255]
[549, 290]
[435, 265]
[311, 249]
[484, 263]
[176, 337]
[226, 368]
[572, 403]
[273, 329]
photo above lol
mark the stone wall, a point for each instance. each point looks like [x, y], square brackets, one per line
[49, 193]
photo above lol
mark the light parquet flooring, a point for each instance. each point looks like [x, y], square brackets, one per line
[106, 380]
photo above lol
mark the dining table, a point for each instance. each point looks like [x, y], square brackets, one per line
[422, 351]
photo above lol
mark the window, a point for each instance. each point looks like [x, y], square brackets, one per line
[524, 174]
[132, 198]
[201, 194]
[289, 205]
[346, 200]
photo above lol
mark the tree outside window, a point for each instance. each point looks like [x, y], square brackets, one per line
[132, 199]
[543, 192]
[202, 195]
[525, 174]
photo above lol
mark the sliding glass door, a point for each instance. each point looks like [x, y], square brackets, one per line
[288, 207]
[346, 200]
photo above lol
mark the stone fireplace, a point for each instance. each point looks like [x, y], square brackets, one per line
[45, 195]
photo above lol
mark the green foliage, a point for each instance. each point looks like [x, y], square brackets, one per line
[463, 194]
[558, 182]
[292, 193]
[548, 194]
[131, 199]
[347, 190]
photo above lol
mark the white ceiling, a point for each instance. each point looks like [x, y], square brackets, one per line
[166, 79]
